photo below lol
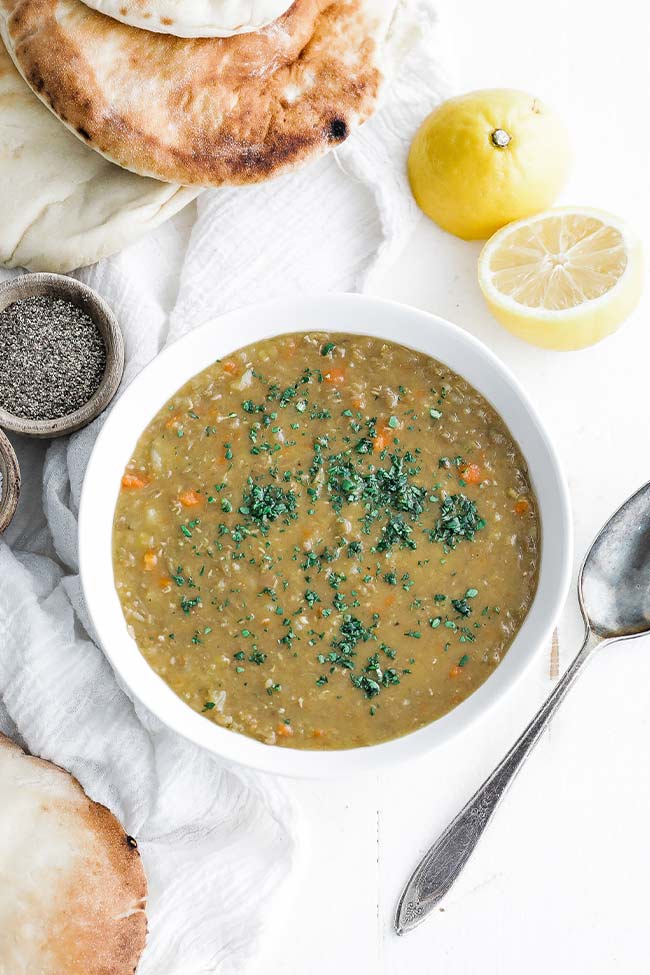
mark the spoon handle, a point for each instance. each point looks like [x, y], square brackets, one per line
[440, 867]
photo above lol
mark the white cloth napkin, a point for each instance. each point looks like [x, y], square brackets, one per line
[216, 843]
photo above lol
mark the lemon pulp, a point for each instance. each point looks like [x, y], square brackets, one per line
[563, 279]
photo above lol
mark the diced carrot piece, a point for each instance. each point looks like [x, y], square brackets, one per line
[335, 376]
[455, 671]
[165, 582]
[189, 498]
[230, 367]
[471, 474]
[132, 482]
[522, 506]
[172, 423]
[150, 560]
[318, 733]
[357, 403]
[383, 439]
[284, 730]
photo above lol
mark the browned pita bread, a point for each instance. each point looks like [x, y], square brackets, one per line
[207, 111]
[72, 887]
[62, 206]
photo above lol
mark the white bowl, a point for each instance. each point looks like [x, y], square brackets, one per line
[334, 313]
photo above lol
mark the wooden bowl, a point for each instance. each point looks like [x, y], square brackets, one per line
[10, 482]
[60, 286]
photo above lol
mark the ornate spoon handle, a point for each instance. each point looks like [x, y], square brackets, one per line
[440, 867]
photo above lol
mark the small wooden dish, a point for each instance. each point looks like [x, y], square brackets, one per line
[60, 286]
[10, 482]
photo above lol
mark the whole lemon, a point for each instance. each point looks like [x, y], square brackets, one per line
[484, 159]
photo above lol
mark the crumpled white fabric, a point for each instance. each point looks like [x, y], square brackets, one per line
[216, 842]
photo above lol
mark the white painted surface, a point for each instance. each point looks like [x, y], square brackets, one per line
[559, 883]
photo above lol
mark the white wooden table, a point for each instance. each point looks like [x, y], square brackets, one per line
[559, 883]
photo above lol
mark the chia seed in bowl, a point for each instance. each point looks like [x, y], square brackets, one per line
[52, 358]
[61, 355]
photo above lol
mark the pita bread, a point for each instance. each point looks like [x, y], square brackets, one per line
[214, 111]
[72, 887]
[62, 205]
[196, 18]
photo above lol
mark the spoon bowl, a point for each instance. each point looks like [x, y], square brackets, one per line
[614, 582]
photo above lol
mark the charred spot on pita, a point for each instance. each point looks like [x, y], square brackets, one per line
[338, 130]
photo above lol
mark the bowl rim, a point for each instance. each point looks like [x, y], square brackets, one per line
[350, 314]
[61, 285]
[10, 489]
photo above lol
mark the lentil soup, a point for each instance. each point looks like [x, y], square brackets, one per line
[325, 541]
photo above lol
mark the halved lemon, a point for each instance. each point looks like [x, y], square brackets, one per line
[563, 279]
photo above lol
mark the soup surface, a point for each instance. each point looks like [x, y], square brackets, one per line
[325, 541]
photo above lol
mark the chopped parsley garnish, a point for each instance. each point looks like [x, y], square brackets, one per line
[458, 519]
[267, 503]
[352, 632]
[462, 607]
[366, 684]
[393, 532]
[374, 677]
[364, 446]
[392, 489]
[188, 604]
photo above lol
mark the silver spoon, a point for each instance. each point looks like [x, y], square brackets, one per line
[614, 594]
